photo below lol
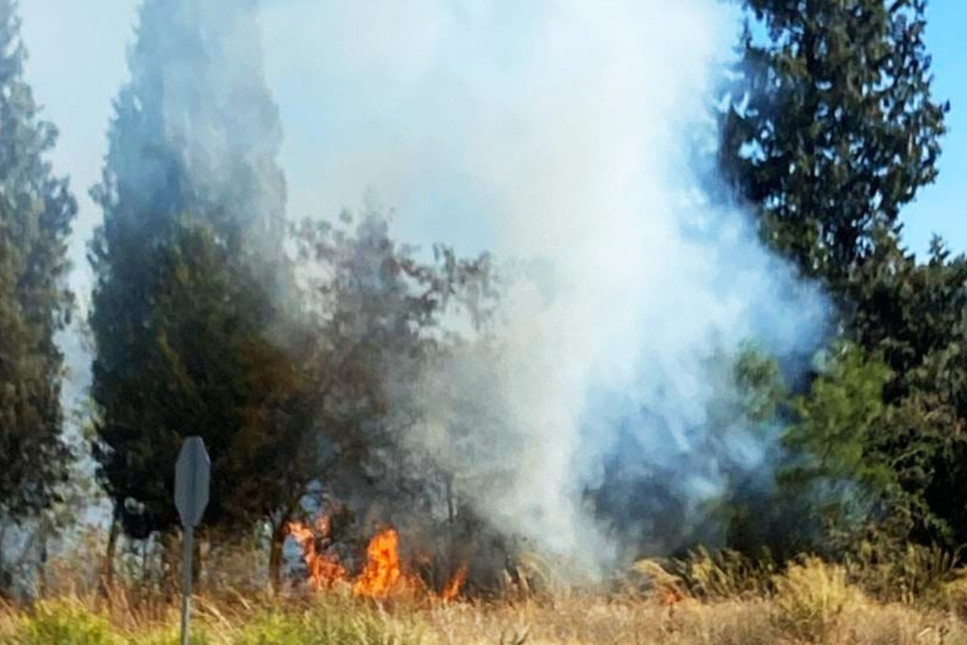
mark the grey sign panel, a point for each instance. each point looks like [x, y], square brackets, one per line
[192, 477]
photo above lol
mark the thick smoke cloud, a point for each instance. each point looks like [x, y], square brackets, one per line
[559, 132]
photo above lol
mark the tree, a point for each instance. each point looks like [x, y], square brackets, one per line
[36, 210]
[196, 130]
[829, 126]
[879, 437]
[840, 481]
[200, 363]
[378, 326]
[192, 283]
[915, 315]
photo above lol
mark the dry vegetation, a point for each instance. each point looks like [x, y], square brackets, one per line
[714, 601]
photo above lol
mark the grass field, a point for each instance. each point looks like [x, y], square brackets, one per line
[811, 602]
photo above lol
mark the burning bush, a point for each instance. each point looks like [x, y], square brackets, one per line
[383, 575]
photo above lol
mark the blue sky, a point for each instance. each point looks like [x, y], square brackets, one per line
[942, 208]
[77, 65]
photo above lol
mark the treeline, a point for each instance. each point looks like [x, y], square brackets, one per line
[210, 315]
[829, 130]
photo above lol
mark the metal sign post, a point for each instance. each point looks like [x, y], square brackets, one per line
[192, 479]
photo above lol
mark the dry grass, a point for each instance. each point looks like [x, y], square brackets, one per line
[811, 602]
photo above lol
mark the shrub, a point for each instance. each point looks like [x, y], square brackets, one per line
[911, 573]
[725, 574]
[811, 598]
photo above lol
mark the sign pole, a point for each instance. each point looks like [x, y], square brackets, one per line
[188, 537]
[192, 478]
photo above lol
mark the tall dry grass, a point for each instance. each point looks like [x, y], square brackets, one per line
[914, 596]
[809, 602]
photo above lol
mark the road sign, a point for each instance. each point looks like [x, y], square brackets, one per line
[192, 476]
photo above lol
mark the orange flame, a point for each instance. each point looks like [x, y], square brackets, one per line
[382, 576]
[324, 569]
[455, 586]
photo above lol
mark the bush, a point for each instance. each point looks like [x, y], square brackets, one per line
[811, 598]
[911, 574]
[725, 574]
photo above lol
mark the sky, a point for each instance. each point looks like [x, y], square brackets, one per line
[77, 64]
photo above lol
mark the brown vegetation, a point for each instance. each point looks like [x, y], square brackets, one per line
[705, 600]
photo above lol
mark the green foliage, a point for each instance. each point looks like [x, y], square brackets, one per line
[191, 281]
[760, 387]
[65, 623]
[913, 314]
[828, 130]
[836, 419]
[329, 624]
[36, 210]
[833, 474]
[196, 130]
[378, 322]
[830, 127]
[198, 360]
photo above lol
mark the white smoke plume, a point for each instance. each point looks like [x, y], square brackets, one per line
[557, 131]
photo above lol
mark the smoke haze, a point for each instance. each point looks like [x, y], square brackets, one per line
[559, 132]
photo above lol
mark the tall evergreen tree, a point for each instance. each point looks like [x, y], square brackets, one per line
[186, 261]
[196, 129]
[830, 127]
[36, 210]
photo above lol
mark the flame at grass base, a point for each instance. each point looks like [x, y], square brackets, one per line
[324, 569]
[383, 576]
[455, 586]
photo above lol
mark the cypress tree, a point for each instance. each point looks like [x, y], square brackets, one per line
[188, 263]
[36, 211]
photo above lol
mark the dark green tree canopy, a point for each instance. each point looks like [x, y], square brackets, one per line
[830, 126]
[188, 263]
[36, 211]
[198, 363]
[829, 129]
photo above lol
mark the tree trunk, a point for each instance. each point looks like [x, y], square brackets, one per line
[107, 566]
[171, 570]
[451, 510]
[275, 556]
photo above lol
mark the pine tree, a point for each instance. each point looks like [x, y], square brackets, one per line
[188, 265]
[830, 126]
[36, 211]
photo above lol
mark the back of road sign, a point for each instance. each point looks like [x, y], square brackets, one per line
[192, 477]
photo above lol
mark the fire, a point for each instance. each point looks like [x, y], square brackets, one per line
[383, 575]
[324, 569]
[455, 586]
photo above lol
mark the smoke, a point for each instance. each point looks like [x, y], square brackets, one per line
[560, 132]
[557, 132]
[196, 129]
